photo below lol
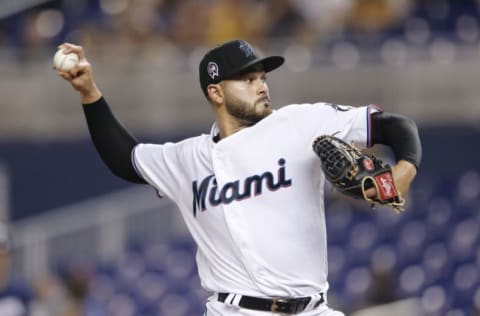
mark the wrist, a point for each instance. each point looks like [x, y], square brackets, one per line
[90, 96]
[403, 174]
[406, 166]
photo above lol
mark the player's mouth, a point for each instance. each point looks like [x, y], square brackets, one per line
[265, 100]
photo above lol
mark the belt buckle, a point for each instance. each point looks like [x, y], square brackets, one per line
[274, 308]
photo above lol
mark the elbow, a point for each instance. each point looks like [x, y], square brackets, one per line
[412, 146]
[399, 133]
[131, 177]
[124, 171]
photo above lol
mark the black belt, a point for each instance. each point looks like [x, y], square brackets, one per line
[279, 305]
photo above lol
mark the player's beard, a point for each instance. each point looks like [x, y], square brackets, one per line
[247, 114]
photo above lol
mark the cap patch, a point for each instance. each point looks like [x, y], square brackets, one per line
[246, 48]
[212, 69]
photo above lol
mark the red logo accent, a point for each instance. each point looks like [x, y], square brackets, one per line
[376, 106]
[367, 164]
[386, 186]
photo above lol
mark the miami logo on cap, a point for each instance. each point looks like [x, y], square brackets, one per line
[212, 69]
[246, 48]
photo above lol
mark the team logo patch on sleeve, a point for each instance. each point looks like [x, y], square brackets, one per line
[212, 69]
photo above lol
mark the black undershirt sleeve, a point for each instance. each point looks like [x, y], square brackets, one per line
[112, 141]
[400, 133]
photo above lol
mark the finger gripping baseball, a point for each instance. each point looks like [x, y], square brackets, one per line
[353, 172]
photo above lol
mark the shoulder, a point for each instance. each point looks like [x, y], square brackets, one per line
[322, 106]
[191, 141]
[315, 109]
[172, 151]
[185, 143]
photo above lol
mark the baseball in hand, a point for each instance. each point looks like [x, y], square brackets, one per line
[64, 62]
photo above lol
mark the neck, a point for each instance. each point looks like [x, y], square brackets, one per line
[228, 125]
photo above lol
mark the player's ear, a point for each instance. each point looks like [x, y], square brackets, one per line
[215, 93]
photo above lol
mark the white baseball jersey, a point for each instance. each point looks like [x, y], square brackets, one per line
[253, 201]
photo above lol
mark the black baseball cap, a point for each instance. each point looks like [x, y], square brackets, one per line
[232, 58]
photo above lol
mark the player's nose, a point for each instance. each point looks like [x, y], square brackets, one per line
[262, 88]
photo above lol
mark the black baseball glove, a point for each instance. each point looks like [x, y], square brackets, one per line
[353, 172]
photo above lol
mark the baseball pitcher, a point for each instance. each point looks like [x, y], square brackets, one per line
[251, 190]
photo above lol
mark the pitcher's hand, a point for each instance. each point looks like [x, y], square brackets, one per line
[81, 75]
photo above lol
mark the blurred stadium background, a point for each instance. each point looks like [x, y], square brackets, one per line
[82, 236]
